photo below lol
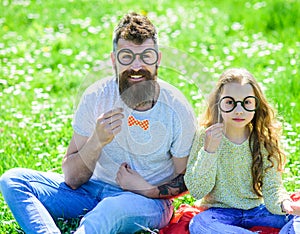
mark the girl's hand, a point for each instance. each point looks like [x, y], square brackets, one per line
[286, 206]
[213, 136]
[296, 208]
[292, 208]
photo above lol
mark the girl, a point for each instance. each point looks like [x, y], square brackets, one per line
[236, 163]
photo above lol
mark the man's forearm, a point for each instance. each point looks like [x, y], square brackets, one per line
[79, 166]
[169, 189]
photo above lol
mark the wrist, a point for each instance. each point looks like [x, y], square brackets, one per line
[151, 192]
[90, 152]
[96, 144]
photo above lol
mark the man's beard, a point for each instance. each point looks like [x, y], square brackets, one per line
[139, 93]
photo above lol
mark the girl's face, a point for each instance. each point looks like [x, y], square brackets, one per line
[240, 94]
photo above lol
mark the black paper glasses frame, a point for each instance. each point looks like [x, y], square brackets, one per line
[228, 104]
[126, 56]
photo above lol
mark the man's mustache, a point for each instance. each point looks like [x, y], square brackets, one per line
[131, 72]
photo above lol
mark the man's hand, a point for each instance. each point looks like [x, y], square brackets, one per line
[83, 152]
[108, 125]
[130, 180]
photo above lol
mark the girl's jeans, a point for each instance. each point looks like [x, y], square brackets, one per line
[36, 199]
[227, 220]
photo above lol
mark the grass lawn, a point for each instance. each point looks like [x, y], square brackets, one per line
[50, 50]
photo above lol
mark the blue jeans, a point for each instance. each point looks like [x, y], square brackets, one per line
[36, 199]
[228, 220]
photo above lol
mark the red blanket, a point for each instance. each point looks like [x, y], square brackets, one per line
[179, 224]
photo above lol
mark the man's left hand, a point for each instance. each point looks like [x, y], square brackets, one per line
[130, 180]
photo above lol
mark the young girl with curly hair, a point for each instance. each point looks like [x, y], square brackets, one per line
[236, 163]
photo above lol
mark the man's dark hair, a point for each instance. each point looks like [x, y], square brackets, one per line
[136, 28]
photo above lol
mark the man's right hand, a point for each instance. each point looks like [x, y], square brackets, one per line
[108, 125]
[83, 152]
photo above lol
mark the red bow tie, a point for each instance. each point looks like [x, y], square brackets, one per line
[144, 124]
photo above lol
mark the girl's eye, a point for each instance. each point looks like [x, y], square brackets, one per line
[127, 56]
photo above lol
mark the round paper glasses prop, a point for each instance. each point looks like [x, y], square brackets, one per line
[148, 56]
[227, 103]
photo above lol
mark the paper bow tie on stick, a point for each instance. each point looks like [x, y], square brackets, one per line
[144, 124]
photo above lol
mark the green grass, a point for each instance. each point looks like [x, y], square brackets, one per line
[48, 50]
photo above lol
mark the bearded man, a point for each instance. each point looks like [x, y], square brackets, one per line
[128, 153]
